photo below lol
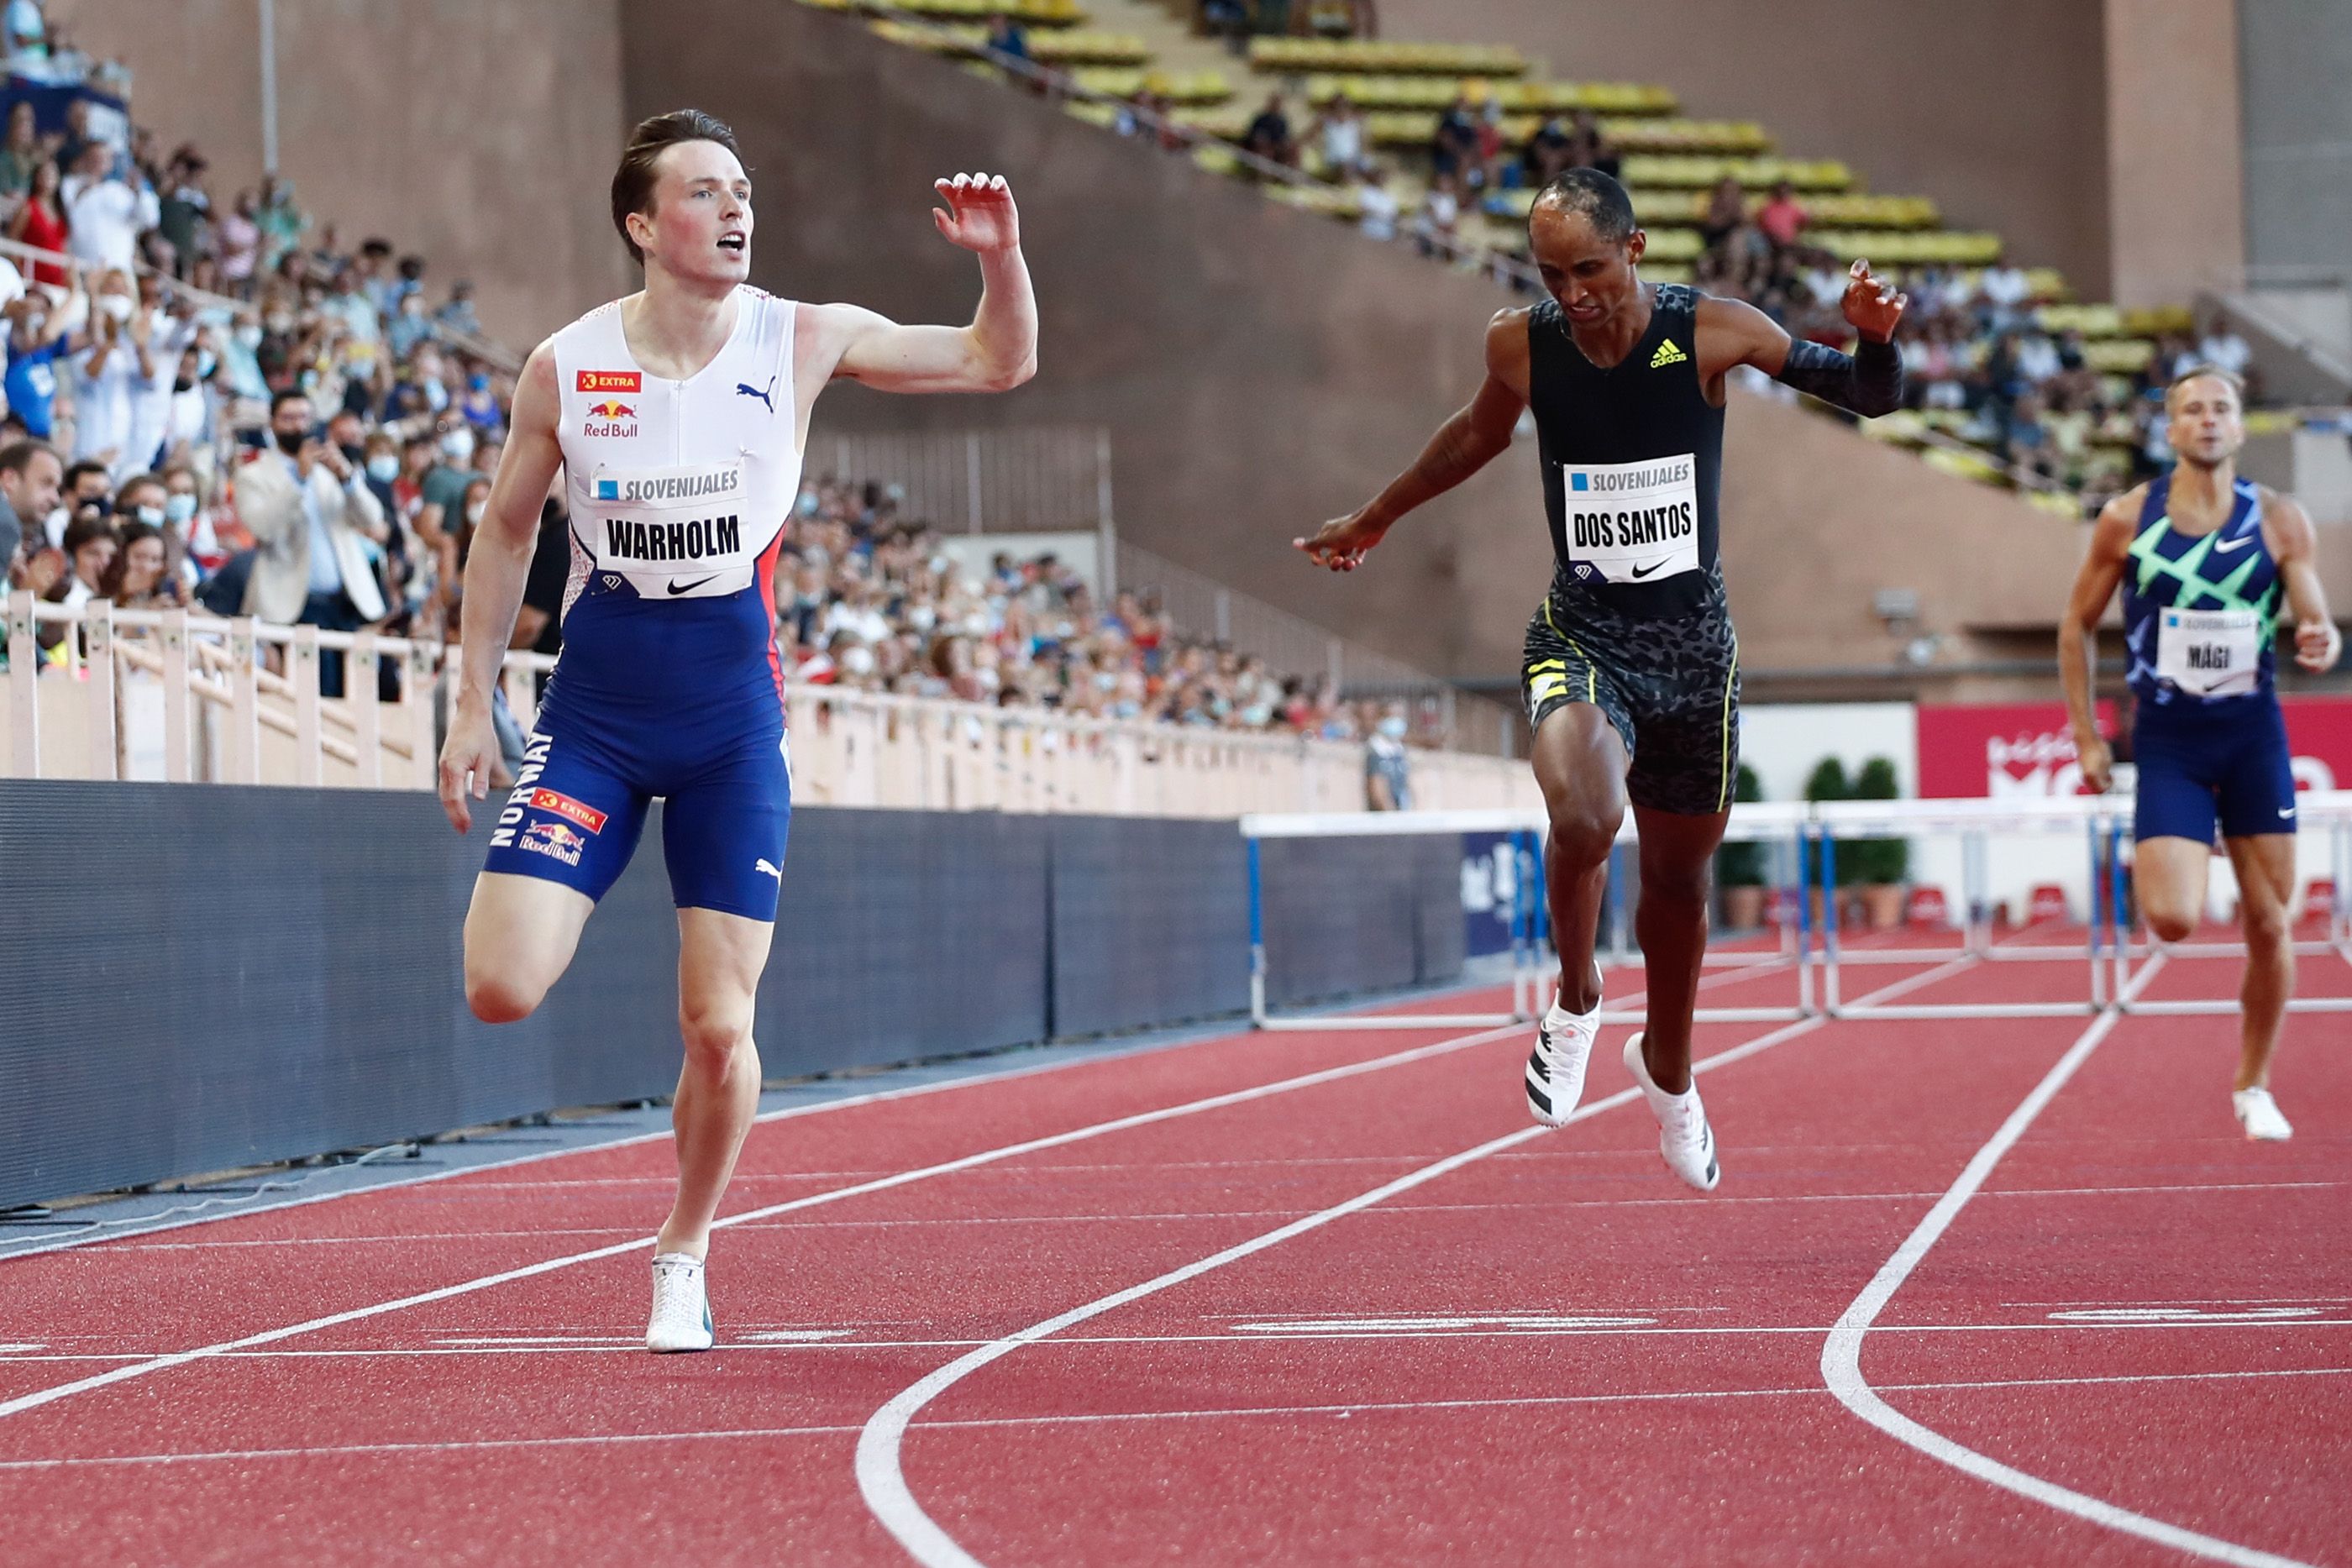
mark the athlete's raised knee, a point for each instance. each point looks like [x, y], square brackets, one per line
[1582, 829]
[2169, 924]
[501, 998]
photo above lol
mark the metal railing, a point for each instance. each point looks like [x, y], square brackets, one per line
[181, 697]
[1290, 646]
[1033, 479]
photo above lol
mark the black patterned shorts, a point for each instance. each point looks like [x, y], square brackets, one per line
[1670, 688]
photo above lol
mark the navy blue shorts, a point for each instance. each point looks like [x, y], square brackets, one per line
[2228, 762]
[683, 702]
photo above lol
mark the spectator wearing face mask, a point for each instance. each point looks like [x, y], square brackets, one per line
[1388, 785]
[445, 487]
[239, 238]
[88, 483]
[109, 373]
[37, 338]
[104, 215]
[312, 518]
[169, 330]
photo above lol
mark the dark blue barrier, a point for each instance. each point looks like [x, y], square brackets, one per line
[195, 977]
[1346, 915]
[1150, 923]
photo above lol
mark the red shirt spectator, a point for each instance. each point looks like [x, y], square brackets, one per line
[1782, 219]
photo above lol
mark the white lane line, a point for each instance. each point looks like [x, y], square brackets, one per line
[1710, 1201]
[987, 1156]
[1842, 1353]
[881, 1477]
[1341, 1411]
[802, 1340]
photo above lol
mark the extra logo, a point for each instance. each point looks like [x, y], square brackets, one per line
[630, 381]
[1668, 354]
[570, 810]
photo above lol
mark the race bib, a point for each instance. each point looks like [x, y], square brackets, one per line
[675, 533]
[1632, 522]
[2210, 653]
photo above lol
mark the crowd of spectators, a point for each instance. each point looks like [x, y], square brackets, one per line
[871, 601]
[1974, 350]
[319, 452]
[1238, 21]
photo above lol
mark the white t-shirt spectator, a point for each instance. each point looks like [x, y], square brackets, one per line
[2004, 286]
[103, 405]
[106, 218]
[2225, 349]
[864, 623]
[1378, 204]
[12, 283]
[2037, 358]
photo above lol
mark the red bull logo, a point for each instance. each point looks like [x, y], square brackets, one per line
[554, 840]
[611, 408]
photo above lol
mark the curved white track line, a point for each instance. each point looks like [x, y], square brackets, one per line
[1842, 1354]
[902, 1178]
[881, 1477]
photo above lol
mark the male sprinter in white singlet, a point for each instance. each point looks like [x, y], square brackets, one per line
[678, 415]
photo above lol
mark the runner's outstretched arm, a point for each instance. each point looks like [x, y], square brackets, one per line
[998, 351]
[1869, 382]
[1473, 437]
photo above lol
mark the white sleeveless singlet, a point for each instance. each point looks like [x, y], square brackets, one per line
[681, 488]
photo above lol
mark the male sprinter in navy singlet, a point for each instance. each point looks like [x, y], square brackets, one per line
[678, 417]
[2204, 557]
[1631, 674]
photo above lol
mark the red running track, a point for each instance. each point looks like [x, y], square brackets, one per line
[1546, 1352]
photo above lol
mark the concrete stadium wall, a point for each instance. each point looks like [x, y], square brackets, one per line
[2294, 58]
[481, 136]
[1997, 107]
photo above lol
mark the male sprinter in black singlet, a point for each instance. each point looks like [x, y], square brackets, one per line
[1631, 675]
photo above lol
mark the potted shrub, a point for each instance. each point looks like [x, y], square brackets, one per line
[1827, 781]
[1739, 867]
[1880, 865]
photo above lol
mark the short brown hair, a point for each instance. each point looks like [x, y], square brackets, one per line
[2229, 378]
[17, 456]
[633, 182]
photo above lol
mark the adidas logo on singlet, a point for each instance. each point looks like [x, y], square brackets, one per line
[1667, 354]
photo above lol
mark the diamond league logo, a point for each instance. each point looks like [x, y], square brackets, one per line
[1584, 569]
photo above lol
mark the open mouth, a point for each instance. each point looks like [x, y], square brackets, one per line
[734, 243]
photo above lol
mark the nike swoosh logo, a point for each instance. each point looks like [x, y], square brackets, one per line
[2233, 544]
[675, 588]
[1641, 572]
[2288, 811]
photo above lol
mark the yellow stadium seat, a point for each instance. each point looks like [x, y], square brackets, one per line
[1176, 86]
[1438, 92]
[1034, 12]
[1080, 46]
[2151, 320]
[1935, 247]
[1301, 56]
[2091, 320]
[1705, 173]
[2121, 355]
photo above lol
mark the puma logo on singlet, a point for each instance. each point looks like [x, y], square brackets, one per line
[745, 389]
